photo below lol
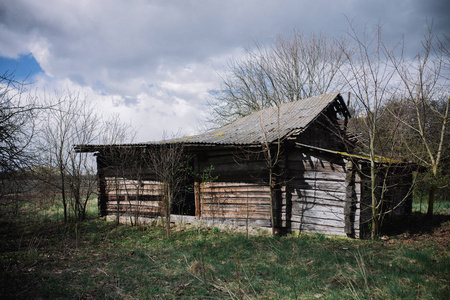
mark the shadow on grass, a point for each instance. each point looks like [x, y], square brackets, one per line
[415, 223]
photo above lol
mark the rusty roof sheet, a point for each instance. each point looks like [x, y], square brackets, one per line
[266, 125]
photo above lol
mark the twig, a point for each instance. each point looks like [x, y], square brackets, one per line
[100, 270]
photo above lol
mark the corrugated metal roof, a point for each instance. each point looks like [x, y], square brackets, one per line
[266, 125]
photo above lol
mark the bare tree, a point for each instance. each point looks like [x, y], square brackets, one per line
[169, 163]
[71, 121]
[289, 70]
[18, 112]
[426, 99]
[369, 78]
[272, 154]
[114, 131]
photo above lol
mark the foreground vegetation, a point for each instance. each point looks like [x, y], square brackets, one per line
[41, 257]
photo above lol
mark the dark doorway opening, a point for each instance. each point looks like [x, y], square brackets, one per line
[184, 204]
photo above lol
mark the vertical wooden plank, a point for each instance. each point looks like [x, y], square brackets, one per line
[350, 200]
[197, 194]
[101, 186]
[198, 212]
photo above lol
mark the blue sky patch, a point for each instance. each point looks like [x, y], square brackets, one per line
[24, 67]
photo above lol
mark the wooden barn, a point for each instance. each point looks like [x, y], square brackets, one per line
[296, 155]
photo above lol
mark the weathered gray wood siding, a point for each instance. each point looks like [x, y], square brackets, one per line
[236, 203]
[239, 195]
[136, 198]
[314, 195]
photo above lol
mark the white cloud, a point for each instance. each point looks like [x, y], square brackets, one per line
[154, 61]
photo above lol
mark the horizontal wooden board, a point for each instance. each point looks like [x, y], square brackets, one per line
[234, 185]
[138, 203]
[134, 190]
[312, 213]
[224, 192]
[239, 222]
[236, 215]
[314, 228]
[235, 200]
[326, 176]
[142, 198]
[332, 212]
[133, 214]
[129, 187]
[312, 202]
[131, 193]
[302, 195]
[238, 190]
[233, 208]
[132, 207]
[113, 186]
[313, 220]
[221, 184]
[324, 185]
[317, 183]
[130, 181]
[320, 201]
[317, 217]
[318, 223]
[299, 207]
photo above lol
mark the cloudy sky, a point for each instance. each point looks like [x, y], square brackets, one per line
[154, 61]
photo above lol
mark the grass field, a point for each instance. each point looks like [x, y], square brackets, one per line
[40, 257]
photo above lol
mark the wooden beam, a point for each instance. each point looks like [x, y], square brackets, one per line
[198, 212]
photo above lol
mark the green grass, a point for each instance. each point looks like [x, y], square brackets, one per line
[40, 257]
[440, 207]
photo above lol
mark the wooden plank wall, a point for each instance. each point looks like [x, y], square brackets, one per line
[136, 198]
[235, 165]
[236, 202]
[313, 198]
[239, 195]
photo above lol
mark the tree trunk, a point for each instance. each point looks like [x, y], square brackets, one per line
[431, 196]
[117, 199]
[168, 208]
[373, 186]
[272, 203]
[63, 194]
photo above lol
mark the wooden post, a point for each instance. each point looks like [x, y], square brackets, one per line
[102, 198]
[350, 200]
[198, 212]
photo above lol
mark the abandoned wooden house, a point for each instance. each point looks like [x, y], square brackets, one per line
[296, 155]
